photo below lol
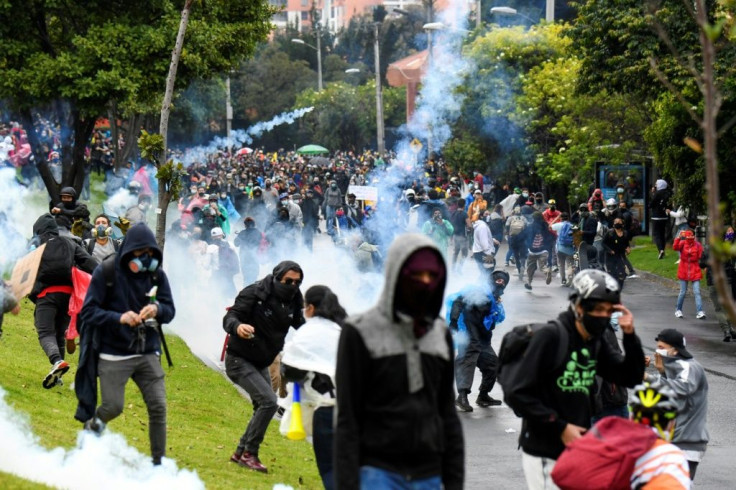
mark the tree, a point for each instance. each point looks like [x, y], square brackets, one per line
[71, 61]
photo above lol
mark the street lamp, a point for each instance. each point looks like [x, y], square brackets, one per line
[319, 58]
[511, 11]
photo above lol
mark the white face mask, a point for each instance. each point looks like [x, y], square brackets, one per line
[662, 352]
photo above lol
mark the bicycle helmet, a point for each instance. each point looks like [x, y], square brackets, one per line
[654, 404]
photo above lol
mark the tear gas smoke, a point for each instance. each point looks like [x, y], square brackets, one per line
[241, 137]
[17, 215]
[97, 462]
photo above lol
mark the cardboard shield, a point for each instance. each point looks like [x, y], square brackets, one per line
[25, 271]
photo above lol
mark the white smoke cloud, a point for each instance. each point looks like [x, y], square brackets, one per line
[19, 212]
[97, 462]
[240, 137]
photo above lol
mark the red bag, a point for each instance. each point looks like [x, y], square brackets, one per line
[80, 281]
[604, 457]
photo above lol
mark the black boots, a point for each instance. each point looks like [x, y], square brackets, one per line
[462, 403]
[484, 400]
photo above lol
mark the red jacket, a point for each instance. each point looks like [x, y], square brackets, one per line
[690, 253]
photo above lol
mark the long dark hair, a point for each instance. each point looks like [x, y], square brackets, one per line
[325, 304]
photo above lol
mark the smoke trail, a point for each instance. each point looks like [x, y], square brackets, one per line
[241, 137]
[438, 104]
[18, 211]
[96, 462]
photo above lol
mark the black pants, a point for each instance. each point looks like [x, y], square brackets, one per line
[52, 320]
[693, 467]
[659, 233]
[322, 437]
[476, 353]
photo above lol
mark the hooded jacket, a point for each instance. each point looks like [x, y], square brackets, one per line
[553, 396]
[259, 305]
[660, 201]
[395, 392]
[103, 308]
[690, 252]
[687, 379]
[58, 258]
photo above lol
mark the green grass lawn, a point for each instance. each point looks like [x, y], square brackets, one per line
[206, 415]
[644, 257]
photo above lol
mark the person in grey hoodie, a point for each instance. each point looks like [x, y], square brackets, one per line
[686, 376]
[333, 200]
[396, 421]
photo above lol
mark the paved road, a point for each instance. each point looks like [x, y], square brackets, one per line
[492, 458]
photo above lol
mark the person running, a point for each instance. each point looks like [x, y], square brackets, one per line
[617, 246]
[565, 247]
[659, 205]
[129, 345]
[554, 401]
[540, 241]
[257, 324]
[310, 357]
[473, 314]
[52, 291]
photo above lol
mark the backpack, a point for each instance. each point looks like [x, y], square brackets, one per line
[511, 366]
[517, 225]
[605, 457]
[564, 238]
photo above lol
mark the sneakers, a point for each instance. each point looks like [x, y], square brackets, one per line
[249, 460]
[506, 264]
[632, 276]
[700, 315]
[549, 276]
[528, 286]
[661, 254]
[462, 403]
[678, 314]
[555, 269]
[95, 425]
[727, 337]
[677, 261]
[563, 282]
[484, 400]
[279, 413]
[54, 377]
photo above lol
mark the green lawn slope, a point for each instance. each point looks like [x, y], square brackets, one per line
[206, 415]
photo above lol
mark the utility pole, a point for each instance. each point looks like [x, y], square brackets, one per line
[228, 109]
[550, 11]
[379, 95]
[319, 59]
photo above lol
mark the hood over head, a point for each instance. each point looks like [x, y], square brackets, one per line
[69, 191]
[285, 266]
[45, 225]
[661, 184]
[403, 248]
[139, 236]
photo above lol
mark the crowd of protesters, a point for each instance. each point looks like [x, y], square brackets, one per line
[241, 210]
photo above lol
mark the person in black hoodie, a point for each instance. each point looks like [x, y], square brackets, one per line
[124, 318]
[396, 418]
[69, 210]
[53, 289]
[659, 205]
[257, 324]
[555, 400]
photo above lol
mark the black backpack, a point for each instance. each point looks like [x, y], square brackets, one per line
[511, 367]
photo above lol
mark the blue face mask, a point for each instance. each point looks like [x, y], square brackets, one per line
[145, 262]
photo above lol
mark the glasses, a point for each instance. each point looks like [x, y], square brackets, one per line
[289, 281]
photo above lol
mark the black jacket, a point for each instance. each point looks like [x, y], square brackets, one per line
[660, 203]
[553, 396]
[257, 305]
[58, 258]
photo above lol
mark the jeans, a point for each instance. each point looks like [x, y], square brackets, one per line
[536, 261]
[322, 436]
[257, 383]
[330, 218]
[148, 375]
[566, 264]
[52, 320]
[696, 292]
[372, 478]
[459, 248]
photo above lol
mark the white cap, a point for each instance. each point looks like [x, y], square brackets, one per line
[217, 231]
[410, 191]
[611, 202]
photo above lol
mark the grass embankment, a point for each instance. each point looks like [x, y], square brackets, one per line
[206, 415]
[644, 256]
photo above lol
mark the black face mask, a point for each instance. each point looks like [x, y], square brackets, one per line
[284, 292]
[595, 325]
[539, 201]
[553, 208]
[618, 226]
